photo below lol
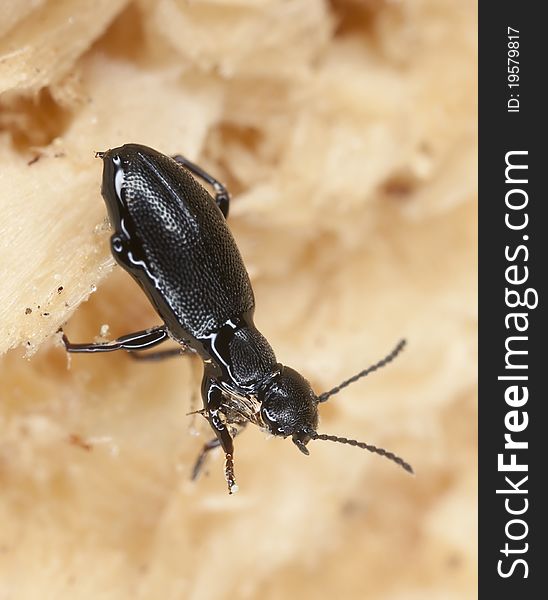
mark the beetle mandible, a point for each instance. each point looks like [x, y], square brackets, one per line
[171, 236]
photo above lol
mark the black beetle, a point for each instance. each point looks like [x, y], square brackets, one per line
[171, 235]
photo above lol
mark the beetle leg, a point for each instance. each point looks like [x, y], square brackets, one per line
[225, 441]
[222, 197]
[214, 397]
[140, 340]
[161, 354]
[206, 449]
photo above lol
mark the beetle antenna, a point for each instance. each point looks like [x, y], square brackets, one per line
[388, 358]
[342, 440]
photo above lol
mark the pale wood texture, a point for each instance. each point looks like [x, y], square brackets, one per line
[347, 133]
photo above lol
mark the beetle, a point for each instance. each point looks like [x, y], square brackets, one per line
[171, 236]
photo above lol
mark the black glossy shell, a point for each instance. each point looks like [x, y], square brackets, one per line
[176, 242]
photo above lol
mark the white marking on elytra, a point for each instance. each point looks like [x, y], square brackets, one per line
[144, 266]
[118, 177]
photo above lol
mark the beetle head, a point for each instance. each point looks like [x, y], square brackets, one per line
[290, 407]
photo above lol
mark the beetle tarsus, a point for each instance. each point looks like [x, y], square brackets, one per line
[229, 474]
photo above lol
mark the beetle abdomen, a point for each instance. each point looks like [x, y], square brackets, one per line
[176, 229]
